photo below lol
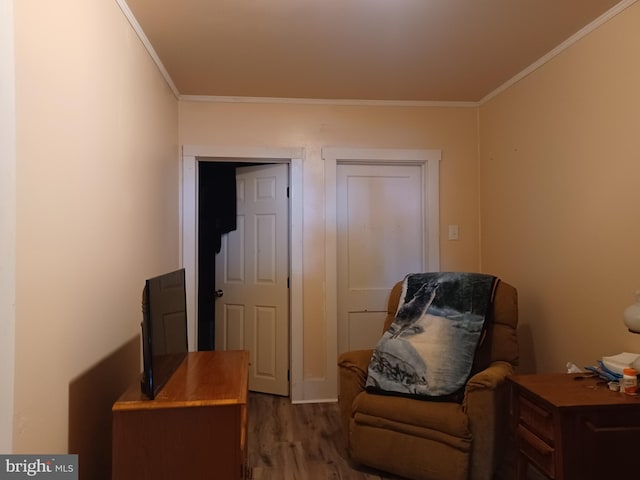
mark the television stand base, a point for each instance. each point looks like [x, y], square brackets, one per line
[195, 428]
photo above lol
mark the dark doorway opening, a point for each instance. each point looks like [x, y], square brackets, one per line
[216, 216]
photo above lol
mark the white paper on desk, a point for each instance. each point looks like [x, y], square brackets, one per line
[617, 363]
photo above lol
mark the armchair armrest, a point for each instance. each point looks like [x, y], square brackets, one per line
[356, 363]
[486, 402]
[489, 378]
[353, 368]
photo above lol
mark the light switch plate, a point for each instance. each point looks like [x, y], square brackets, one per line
[453, 232]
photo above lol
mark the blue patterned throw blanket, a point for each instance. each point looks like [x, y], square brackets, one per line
[429, 348]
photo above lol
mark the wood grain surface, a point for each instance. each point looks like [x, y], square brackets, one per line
[299, 442]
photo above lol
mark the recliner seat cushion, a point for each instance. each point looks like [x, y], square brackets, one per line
[410, 456]
[442, 421]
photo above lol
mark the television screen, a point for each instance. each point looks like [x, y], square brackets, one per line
[164, 329]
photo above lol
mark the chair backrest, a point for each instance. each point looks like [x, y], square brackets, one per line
[504, 342]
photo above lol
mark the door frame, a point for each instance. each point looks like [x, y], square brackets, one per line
[191, 155]
[429, 160]
[8, 199]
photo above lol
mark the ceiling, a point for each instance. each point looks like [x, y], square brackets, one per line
[398, 50]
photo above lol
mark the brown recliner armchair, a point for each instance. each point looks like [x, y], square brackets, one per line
[434, 440]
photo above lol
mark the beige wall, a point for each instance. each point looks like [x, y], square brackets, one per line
[453, 130]
[96, 202]
[560, 164]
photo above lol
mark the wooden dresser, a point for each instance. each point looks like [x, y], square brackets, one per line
[195, 428]
[571, 427]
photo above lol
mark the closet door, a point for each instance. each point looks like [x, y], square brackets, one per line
[380, 239]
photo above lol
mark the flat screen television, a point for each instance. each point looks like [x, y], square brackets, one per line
[164, 329]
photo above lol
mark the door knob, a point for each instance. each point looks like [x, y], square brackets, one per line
[218, 293]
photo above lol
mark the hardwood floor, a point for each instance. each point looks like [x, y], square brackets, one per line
[299, 442]
[304, 442]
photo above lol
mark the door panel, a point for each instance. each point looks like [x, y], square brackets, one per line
[252, 271]
[233, 328]
[380, 239]
[266, 329]
[233, 258]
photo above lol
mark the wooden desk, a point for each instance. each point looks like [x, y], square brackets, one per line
[195, 428]
[572, 428]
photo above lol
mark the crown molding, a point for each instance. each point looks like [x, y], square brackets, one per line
[147, 45]
[322, 101]
[601, 20]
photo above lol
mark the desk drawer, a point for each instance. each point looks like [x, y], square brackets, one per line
[537, 451]
[536, 419]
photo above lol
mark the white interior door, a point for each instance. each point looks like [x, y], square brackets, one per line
[252, 271]
[380, 238]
